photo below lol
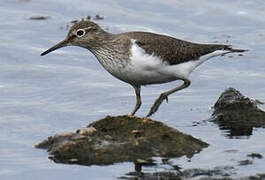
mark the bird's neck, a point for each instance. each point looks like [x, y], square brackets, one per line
[102, 40]
[111, 50]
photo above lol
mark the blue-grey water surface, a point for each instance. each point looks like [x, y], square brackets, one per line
[68, 89]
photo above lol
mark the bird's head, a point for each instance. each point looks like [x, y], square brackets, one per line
[84, 33]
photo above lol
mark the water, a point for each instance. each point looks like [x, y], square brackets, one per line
[68, 89]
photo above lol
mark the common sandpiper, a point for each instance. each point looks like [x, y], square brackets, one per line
[142, 58]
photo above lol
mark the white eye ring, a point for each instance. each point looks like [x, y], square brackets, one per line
[80, 32]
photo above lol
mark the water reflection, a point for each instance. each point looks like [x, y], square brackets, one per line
[170, 171]
[235, 130]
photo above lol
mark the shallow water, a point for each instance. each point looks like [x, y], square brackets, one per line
[68, 89]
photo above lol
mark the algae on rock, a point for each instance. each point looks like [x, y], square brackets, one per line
[120, 139]
[237, 114]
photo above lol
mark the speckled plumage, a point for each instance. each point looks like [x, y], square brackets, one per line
[142, 58]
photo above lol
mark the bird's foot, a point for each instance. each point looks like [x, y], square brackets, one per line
[157, 103]
[132, 116]
[147, 120]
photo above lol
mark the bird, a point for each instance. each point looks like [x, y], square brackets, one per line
[142, 58]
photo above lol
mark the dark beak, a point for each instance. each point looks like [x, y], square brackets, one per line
[57, 46]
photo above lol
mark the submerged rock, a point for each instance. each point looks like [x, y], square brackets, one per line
[120, 139]
[39, 17]
[237, 114]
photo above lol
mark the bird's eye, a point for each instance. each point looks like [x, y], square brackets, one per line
[80, 32]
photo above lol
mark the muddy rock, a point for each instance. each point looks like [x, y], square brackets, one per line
[120, 139]
[237, 114]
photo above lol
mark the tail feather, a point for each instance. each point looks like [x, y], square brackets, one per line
[234, 50]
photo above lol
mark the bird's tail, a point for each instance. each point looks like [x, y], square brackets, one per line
[234, 50]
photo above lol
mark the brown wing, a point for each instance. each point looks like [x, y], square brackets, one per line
[170, 49]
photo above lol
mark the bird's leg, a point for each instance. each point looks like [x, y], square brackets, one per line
[138, 99]
[164, 96]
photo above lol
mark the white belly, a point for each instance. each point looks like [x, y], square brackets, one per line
[143, 69]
